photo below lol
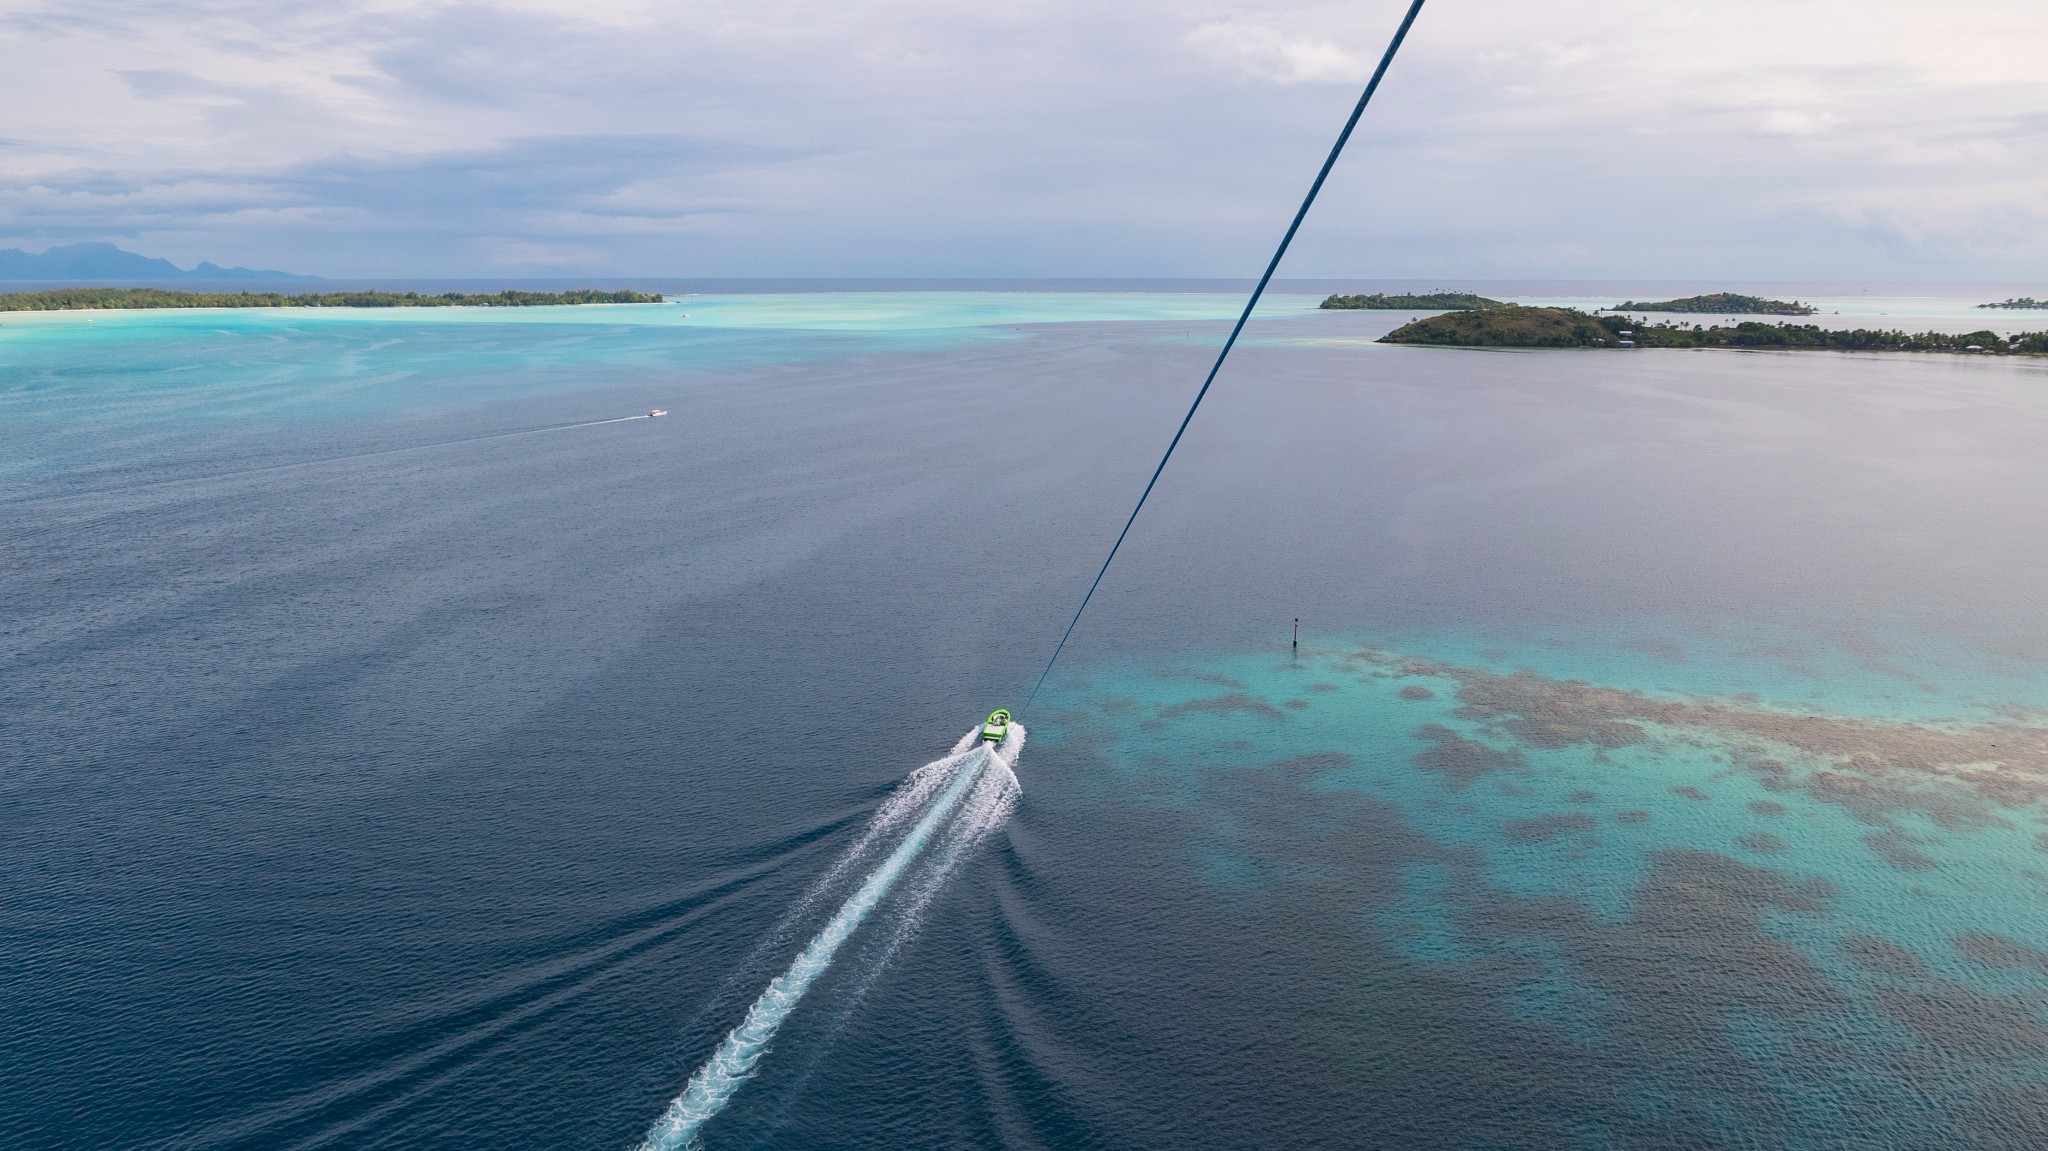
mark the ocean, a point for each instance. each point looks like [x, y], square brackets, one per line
[403, 745]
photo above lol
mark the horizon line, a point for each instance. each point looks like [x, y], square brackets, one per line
[528, 277]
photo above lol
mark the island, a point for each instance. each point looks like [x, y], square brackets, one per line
[1433, 301]
[1518, 327]
[1721, 303]
[1511, 326]
[2027, 303]
[92, 299]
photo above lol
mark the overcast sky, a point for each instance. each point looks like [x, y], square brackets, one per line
[1757, 139]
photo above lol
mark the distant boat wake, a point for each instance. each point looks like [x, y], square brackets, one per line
[947, 805]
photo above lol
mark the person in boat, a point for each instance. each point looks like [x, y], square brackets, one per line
[997, 727]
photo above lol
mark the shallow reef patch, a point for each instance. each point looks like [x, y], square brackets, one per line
[1462, 761]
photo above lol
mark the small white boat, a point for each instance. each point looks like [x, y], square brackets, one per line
[656, 413]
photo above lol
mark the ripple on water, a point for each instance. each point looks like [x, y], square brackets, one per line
[1783, 923]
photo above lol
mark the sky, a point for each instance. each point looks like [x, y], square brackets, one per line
[1748, 139]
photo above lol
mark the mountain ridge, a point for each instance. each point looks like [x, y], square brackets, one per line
[103, 261]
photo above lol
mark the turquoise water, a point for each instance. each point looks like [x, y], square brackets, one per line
[895, 311]
[1991, 876]
[1908, 666]
[786, 311]
[132, 382]
[1882, 934]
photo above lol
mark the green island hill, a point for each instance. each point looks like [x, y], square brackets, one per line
[1720, 303]
[1518, 327]
[1433, 301]
[90, 299]
[2027, 303]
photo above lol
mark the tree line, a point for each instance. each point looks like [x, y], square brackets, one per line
[86, 299]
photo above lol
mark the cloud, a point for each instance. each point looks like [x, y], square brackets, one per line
[783, 137]
[1796, 122]
[528, 196]
[586, 174]
[1270, 54]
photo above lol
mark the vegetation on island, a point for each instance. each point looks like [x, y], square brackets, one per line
[1721, 303]
[86, 299]
[1519, 327]
[1451, 301]
[1506, 327]
[2023, 302]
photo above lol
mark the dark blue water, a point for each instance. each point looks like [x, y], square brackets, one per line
[389, 763]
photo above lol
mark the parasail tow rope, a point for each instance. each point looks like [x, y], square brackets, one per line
[1336, 150]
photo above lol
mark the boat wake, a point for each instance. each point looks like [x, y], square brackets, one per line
[927, 826]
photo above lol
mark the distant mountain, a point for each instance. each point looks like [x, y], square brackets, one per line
[107, 262]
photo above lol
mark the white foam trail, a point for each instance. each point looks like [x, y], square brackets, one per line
[986, 808]
[963, 772]
[895, 813]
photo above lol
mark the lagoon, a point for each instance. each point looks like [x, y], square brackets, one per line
[398, 756]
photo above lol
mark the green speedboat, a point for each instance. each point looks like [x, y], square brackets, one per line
[997, 727]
